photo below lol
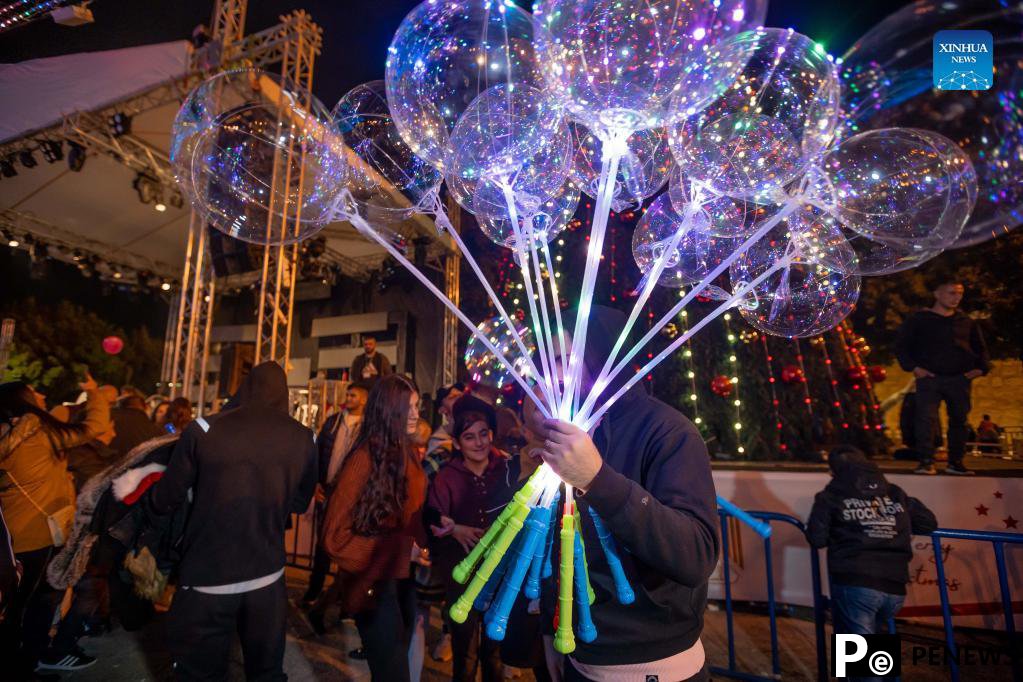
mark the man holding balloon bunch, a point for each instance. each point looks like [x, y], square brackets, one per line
[645, 471]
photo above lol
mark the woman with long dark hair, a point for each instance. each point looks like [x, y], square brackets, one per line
[373, 522]
[38, 497]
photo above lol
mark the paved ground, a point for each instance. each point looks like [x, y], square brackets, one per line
[984, 465]
[131, 657]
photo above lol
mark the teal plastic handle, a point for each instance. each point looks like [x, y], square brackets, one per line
[585, 630]
[622, 587]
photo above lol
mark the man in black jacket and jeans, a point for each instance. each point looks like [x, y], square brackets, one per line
[646, 473]
[945, 351]
[867, 525]
[245, 469]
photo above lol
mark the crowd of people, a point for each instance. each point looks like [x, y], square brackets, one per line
[111, 501]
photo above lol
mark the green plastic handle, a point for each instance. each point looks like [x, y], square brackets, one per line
[586, 567]
[467, 565]
[564, 638]
[460, 609]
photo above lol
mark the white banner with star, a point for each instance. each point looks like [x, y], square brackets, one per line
[974, 503]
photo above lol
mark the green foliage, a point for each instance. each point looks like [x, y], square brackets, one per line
[54, 344]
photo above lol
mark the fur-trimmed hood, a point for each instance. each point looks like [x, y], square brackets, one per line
[69, 564]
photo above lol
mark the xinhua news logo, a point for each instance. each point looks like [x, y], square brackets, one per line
[866, 655]
[881, 655]
[963, 60]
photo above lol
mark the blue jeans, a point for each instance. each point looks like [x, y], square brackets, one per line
[862, 611]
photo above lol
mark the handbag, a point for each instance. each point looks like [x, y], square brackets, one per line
[59, 522]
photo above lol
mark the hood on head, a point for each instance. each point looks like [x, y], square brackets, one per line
[266, 387]
[605, 325]
[854, 473]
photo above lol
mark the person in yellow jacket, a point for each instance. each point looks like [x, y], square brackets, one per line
[36, 492]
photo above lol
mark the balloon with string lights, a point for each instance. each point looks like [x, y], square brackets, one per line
[546, 223]
[901, 185]
[387, 181]
[443, 55]
[642, 171]
[770, 125]
[484, 367]
[239, 145]
[719, 215]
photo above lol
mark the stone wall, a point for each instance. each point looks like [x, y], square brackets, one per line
[999, 394]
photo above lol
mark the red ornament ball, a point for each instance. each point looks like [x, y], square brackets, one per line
[722, 386]
[877, 373]
[112, 345]
[855, 374]
[791, 374]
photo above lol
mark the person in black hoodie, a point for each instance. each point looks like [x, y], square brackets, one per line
[867, 524]
[646, 473]
[246, 469]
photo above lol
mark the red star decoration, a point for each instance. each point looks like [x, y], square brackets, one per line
[981, 510]
[1010, 522]
[998, 494]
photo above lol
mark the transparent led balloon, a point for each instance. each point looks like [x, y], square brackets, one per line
[386, 179]
[642, 171]
[987, 125]
[902, 185]
[770, 125]
[253, 155]
[546, 223]
[443, 55]
[526, 184]
[695, 254]
[799, 298]
[720, 216]
[624, 65]
[484, 367]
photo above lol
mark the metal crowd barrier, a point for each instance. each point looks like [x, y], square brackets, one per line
[755, 520]
[998, 541]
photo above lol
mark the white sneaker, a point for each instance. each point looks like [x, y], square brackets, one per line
[442, 652]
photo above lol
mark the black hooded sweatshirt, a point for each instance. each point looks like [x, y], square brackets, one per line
[249, 467]
[655, 494]
[867, 524]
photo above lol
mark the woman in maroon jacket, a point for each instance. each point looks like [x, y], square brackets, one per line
[469, 492]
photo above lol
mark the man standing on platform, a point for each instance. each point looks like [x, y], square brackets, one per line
[945, 350]
[369, 367]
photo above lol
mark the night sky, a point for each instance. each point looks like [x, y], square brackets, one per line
[356, 33]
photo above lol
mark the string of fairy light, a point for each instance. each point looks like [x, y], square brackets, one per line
[690, 370]
[772, 383]
[733, 377]
[836, 401]
[807, 400]
[17, 13]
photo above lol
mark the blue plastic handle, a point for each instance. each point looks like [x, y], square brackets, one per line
[759, 527]
[497, 624]
[486, 595]
[622, 587]
[585, 630]
[532, 588]
[552, 525]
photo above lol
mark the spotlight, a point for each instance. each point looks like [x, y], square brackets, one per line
[120, 124]
[165, 285]
[11, 240]
[75, 157]
[53, 150]
[7, 168]
[117, 274]
[27, 159]
[160, 206]
[146, 188]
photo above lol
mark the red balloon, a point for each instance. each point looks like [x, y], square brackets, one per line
[721, 385]
[877, 373]
[855, 374]
[112, 345]
[791, 374]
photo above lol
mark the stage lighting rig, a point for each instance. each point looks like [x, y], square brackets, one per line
[27, 159]
[120, 124]
[75, 156]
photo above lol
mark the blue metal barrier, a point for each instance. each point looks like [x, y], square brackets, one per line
[997, 541]
[755, 520]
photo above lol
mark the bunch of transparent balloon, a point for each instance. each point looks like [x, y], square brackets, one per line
[767, 209]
